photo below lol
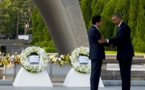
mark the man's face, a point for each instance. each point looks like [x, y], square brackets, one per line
[99, 23]
[116, 20]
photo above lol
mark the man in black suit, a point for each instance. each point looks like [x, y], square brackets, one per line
[96, 53]
[125, 50]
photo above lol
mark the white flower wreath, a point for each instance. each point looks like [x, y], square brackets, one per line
[82, 68]
[34, 67]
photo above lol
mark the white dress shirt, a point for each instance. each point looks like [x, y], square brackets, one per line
[96, 27]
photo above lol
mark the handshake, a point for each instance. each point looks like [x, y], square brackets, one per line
[102, 40]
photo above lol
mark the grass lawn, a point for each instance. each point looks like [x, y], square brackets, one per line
[114, 52]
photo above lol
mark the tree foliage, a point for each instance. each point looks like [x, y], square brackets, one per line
[12, 14]
[86, 10]
[97, 8]
[133, 13]
[139, 38]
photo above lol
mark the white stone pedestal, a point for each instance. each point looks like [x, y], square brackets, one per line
[76, 79]
[25, 78]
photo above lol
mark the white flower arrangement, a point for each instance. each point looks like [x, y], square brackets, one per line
[79, 67]
[61, 60]
[34, 67]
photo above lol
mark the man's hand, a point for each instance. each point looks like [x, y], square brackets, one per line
[102, 40]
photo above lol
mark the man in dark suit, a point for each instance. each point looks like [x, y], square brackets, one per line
[125, 50]
[96, 53]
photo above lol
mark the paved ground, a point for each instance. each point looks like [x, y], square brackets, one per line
[59, 87]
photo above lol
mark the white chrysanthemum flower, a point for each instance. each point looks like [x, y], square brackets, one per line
[62, 56]
[59, 59]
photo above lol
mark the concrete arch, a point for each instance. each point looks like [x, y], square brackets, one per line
[65, 23]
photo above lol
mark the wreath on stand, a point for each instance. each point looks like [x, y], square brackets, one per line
[34, 59]
[80, 61]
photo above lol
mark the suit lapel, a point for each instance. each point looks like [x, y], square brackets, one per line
[118, 29]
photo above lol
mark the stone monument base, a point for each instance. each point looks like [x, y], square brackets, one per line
[76, 79]
[25, 78]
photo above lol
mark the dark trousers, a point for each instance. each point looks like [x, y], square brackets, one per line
[95, 73]
[125, 71]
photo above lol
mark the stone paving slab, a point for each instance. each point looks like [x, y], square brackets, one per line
[105, 82]
[115, 67]
[60, 87]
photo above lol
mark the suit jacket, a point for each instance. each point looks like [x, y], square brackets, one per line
[96, 49]
[123, 42]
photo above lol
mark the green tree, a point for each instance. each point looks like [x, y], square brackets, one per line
[133, 13]
[122, 7]
[139, 38]
[93, 4]
[86, 10]
[10, 11]
[7, 22]
[107, 28]
[97, 8]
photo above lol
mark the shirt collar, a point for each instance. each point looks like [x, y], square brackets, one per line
[96, 27]
[120, 24]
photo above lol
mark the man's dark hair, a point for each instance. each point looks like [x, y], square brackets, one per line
[95, 19]
[117, 15]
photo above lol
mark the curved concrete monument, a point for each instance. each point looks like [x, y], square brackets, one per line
[64, 21]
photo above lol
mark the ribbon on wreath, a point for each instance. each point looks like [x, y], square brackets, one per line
[41, 59]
